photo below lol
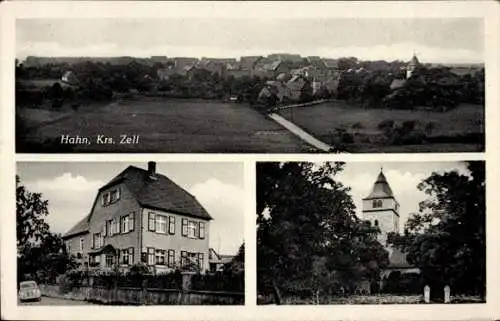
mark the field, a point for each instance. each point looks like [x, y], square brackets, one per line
[162, 125]
[451, 133]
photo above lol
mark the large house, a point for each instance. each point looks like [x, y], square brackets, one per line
[142, 216]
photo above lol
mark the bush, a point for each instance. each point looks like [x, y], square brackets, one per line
[219, 281]
[385, 124]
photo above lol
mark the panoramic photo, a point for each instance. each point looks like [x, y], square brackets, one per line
[247, 85]
[371, 233]
[116, 233]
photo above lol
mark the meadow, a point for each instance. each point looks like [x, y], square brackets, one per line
[457, 130]
[162, 125]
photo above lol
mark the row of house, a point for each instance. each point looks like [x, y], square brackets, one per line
[141, 216]
[260, 66]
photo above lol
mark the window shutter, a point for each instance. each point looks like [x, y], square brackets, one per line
[200, 261]
[151, 256]
[171, 225]
[183, 258]
[93, 241]
[131, 223]
[104, 229]
[131, 256]
[201, 230]
[184, 227]
[118, 257]
[118, 193]
[152, 222]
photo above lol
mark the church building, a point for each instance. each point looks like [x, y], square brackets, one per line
[381, 209]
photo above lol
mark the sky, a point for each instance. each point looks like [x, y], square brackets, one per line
[434, 40]
[71, 187]
[403, 178]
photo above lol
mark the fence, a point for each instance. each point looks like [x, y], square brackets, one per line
[173, 288]
[143, 296]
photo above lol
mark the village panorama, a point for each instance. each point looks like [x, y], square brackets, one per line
[278, 103]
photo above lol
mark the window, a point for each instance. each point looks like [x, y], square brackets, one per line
[151, 256]
[110, 197]
[68, 246]
[151, 220]
[191, 229]
[127, 256]
[201, 231]
[377, 203]
[97, 259]
[109, 260]
[171, 258]
[200, 261]
[105, 199]
[184, 227]
[171, 224]
[82, 242]
[124, 257]
[124, 224]
[160, 257]
[97, 241]
[115, 228]
[114, 195]
[161, 224]
[376, 222]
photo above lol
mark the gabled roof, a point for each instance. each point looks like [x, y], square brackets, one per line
[397, 83]
[381, 188]
[81, 227]
[159, 193]
[248, 62]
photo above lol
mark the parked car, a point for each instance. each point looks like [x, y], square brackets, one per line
[28, 290]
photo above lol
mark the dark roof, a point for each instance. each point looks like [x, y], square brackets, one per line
[81, 227]
[397, 259]
[159, 192]
[381, 188]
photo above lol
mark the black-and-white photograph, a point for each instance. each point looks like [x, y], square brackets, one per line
[249, 85]
[371, 233]
[93, 233]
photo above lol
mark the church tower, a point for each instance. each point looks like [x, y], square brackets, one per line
[381, 208]
[412, 65]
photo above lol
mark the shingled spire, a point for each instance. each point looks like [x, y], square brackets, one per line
[381, 187]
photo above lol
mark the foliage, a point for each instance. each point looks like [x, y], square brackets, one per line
[42, 255]
[308, 236]
[31, 211]
[446, 239]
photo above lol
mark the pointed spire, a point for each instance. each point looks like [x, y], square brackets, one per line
[381, 187]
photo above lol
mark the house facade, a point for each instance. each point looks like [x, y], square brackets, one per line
[141, 216]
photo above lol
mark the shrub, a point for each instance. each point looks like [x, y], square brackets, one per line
[385, 124]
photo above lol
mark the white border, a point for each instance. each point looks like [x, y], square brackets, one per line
[9, 11]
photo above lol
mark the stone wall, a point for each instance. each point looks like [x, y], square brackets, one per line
[137, 296]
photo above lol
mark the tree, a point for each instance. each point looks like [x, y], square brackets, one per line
[446, 239]
[308, 232]
[31, 210]
[41, 254]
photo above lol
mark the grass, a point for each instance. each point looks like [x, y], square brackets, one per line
[368, 299]
[164, 125]
[323, 120]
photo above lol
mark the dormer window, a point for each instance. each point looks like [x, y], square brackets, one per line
[111, 196]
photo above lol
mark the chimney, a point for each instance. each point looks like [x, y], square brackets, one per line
[151, 168]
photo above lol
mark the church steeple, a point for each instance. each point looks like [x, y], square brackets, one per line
[381, 208]
[412, 65]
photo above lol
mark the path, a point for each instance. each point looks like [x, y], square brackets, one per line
[55, 301]
[299, 132]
